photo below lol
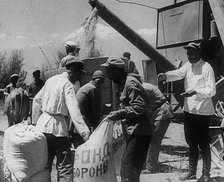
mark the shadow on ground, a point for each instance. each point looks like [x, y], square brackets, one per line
[175, 150]
[217, 179]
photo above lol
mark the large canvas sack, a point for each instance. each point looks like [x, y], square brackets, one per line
[25, 151]
[42, 176]
[94, 159]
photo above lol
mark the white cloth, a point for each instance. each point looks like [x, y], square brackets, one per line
[56, 100]
[200, 78]
[76, 86]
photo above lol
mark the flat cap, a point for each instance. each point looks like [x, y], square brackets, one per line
[193, 45]
[72, 44]
[14, 75]
[115, 62]
[76, 62]
[97, 74]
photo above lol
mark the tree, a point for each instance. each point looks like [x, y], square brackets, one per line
[12, 64]
[60, 54]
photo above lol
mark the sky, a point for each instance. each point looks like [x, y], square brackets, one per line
[34, 22]
[29, 24]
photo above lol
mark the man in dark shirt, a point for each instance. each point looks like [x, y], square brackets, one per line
[89, 98]
[133, 113]
[36, 85]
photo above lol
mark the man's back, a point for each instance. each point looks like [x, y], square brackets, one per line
[90, 104]
[155, 96]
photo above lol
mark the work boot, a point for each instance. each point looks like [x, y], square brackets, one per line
[188, 176]
[204, 178]
[206, 158]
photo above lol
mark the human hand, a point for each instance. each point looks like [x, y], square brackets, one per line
[162, 77]
[85, 136]
[114, 115]
[188, 93]
[117, 130]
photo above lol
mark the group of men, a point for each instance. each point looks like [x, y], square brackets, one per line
[142, 109]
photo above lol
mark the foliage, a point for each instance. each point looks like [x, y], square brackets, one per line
[10, 64]
[61, 54]
[47, 72]
[44, 69]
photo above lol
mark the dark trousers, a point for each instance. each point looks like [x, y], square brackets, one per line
[155, 144]
[134, 157]
[196, 128]
[60, 147]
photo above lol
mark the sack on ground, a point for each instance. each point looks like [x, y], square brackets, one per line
[25, 151]
[93, 160]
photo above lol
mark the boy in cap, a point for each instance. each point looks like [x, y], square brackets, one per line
[52, 104]
[129, 64]
[89, 98]
[136, 127]
[199, 83]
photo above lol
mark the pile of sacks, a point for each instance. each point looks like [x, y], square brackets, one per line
[25, 154]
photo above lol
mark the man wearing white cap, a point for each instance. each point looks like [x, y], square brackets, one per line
[13, 78]
[52, 104]
[72, 50]
[199, 83]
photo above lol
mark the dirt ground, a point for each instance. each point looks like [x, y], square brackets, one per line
[173, 157]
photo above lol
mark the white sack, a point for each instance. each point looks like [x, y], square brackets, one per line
[42, 176]
[25, 151]
[94, 159]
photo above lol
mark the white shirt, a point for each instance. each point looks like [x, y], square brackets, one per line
[56, 100]
[200, 78]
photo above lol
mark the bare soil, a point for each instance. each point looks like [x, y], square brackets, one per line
[173, 157]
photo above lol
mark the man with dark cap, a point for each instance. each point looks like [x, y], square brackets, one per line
[89, 98]
[133, 113]
[129, 64]
[199, 83]
[36, 85]
[52, 104]
[14, 79]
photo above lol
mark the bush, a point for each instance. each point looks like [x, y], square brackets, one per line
[10, 64]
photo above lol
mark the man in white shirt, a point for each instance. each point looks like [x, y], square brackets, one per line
[199, 83]
[51, 105]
